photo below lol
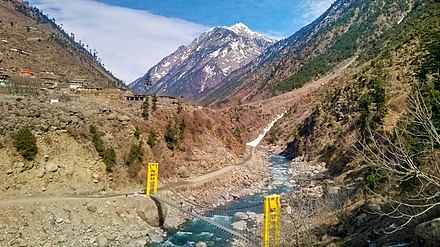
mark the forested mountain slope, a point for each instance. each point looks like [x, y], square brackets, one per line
[347, 29]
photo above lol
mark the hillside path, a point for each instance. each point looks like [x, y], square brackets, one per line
[209, 176]
[187, 182]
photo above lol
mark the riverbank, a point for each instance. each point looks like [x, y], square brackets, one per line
[118, 221]
[247, 179]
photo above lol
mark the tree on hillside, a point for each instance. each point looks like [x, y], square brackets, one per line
[171, 136]
[107, 154]
[109, 159]
[174, 133]
[146, 109]
[137, 133]
[152, 135]
[26, 143]
[154, 103]
[409, 158]
[135, 154]
[372, 103]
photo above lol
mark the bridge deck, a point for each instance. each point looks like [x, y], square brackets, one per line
[207, 220]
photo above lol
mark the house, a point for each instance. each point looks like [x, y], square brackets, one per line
[77, 83]
[4, 81]
[75, 86]
[26, 72]
[78, 80]
[135, 97]
[49, 84]
[4, 78]
[90, 88]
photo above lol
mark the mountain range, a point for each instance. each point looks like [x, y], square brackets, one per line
[345, 30]
[260, 68]
[192, 71]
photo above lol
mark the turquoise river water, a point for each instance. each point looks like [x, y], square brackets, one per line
[195, 230]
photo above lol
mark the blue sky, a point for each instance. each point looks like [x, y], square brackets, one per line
[278, 18]
[131, 36]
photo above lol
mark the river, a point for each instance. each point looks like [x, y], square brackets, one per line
[195, 230]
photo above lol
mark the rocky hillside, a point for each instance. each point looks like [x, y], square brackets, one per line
[192, 132]
[362, 120]
[193, 70]
[89, 146]
[348, 28]
[30, 40]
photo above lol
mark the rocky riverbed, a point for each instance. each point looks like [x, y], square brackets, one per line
[249, 179]
[80, 222]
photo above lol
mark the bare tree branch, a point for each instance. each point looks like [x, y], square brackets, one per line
[392, 156]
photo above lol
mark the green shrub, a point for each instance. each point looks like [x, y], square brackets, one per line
[99, 144]
[109, 158]
[274, 135]
[372, 104]
[171, 137]
[26, 143]
[373, 178]
[237, 133]
[108, 155]
[174, 134]
[92, 129]
[135, 154]
[137, 133]
[152, 135]
[182, 128]
[97, 141]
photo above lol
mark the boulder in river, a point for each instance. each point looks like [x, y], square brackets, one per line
[155, 238]
[240, 225]
[201, 244]
[241, 216]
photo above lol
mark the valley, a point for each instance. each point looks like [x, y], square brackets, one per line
[340, 119]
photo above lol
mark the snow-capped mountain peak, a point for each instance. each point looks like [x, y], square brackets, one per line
[239, 28]
[194, 69]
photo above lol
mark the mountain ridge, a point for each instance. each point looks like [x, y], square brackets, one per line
[311, 52]
[30, 39]
[193, 69]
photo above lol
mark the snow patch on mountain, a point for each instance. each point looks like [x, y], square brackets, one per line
[194, 69]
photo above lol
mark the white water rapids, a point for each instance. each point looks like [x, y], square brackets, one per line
[257, 141]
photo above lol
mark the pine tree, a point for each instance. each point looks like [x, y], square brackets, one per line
[146, 109]
[154, 103]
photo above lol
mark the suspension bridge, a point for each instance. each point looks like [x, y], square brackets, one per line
[265, 233]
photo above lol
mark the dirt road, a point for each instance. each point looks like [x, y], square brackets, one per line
[187, 182]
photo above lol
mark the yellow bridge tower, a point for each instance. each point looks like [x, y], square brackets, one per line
[272, 206]
[152, 177]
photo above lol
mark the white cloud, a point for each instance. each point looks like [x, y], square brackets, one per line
[312, 9]
[275, 35]
[318, 7]
[128, 41]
